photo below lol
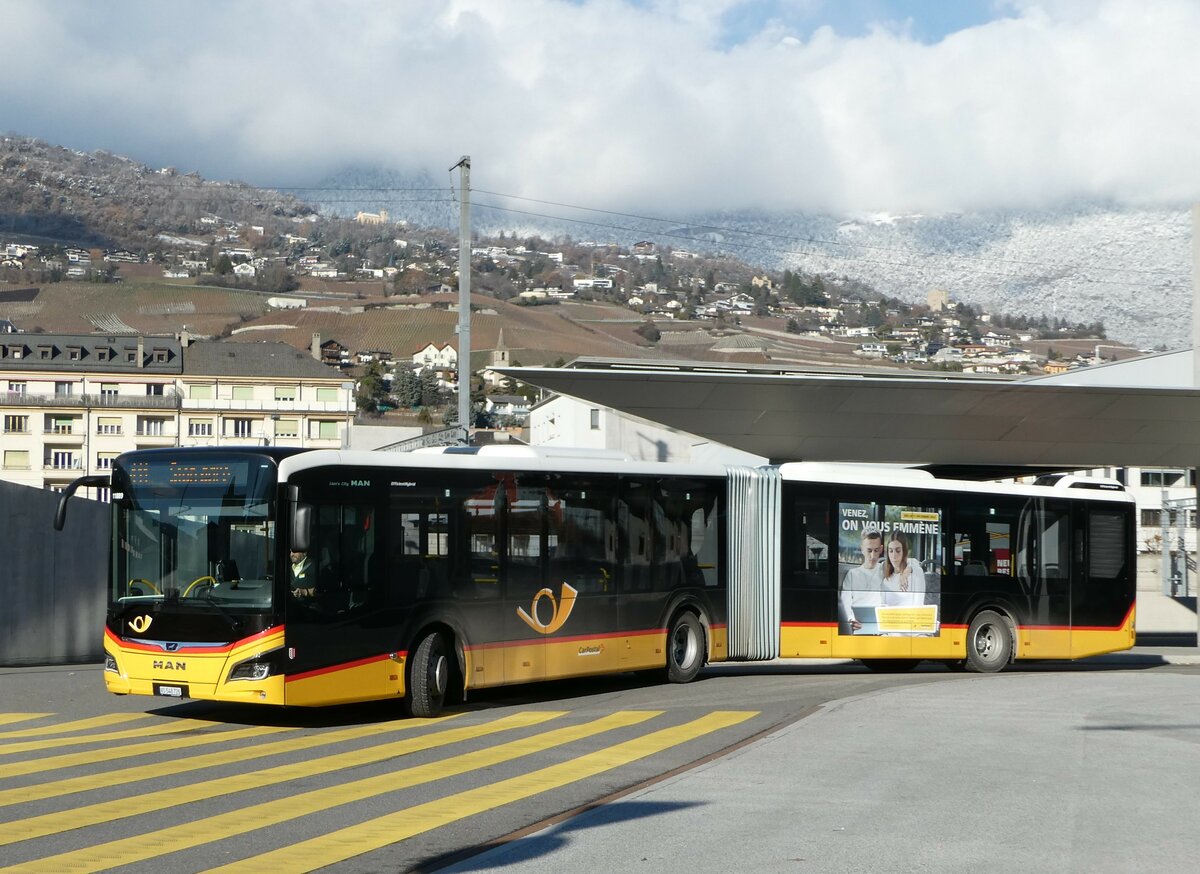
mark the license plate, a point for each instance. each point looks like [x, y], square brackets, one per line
[170, 691]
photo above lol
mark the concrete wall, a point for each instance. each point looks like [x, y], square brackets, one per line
[52, 583]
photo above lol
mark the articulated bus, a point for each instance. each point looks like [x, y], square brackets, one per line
[318, 577]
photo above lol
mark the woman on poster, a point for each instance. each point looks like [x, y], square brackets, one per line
[903, 578]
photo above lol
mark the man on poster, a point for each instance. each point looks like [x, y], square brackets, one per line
[863, 585]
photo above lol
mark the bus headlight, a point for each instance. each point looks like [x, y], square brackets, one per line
[251, 669]
[110, 663]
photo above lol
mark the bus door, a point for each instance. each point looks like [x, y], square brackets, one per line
[474, 517]
[669, 540]
[560, 594]
[1103, 588]
[641, 602]
[338, 632]
[808, 597]
[1043, 564]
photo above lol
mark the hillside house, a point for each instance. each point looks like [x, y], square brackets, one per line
[871, 350]
[372, 218]
[330, 352]
[443, 357]
[507, 406]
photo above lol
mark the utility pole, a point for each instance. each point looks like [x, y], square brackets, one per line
[464, 297]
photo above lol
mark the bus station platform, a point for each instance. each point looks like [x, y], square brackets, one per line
[1030, 770]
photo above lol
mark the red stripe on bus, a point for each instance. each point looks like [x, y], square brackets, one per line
[190, 650]
[345, 666]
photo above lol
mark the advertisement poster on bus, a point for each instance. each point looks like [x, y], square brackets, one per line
[889, 570]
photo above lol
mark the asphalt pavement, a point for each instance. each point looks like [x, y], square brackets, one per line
[1029, 770]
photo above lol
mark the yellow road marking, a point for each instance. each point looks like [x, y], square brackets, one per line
[72, 785]
[202, 831]
[377, 833]
[71, 760]
[110, 811]
[174, 727]
[75, 725]
[10, 718]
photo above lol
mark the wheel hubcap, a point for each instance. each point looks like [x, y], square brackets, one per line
[438, 674]
[985, 641]
[683, 647]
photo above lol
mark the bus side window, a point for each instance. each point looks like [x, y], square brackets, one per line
[985, 538]
[806, 542]
[685, 535]
[635, 543]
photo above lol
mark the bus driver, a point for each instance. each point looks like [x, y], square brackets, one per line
[304, 575]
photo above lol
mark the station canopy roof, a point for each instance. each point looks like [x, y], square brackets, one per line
[956, 424]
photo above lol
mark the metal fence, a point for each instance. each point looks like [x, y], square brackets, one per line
[52, 587]
[1178, 566]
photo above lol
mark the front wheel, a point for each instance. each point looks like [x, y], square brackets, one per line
[989, 643]
[685, 648]
[429, 677]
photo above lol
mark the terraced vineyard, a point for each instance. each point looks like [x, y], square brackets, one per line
[533, 335]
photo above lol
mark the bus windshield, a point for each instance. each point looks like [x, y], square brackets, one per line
[194, 531]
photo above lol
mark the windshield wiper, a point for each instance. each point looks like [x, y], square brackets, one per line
[234, 623]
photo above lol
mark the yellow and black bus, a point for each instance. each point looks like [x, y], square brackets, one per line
[309, 578]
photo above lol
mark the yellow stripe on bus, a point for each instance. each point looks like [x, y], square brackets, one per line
[10, 718]
[90, 757]
[75, 725]
[150, 845]
[87, 782]
[175, 726]
[383, 831]
[121, 808]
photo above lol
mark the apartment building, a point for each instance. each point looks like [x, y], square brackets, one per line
[71, 403]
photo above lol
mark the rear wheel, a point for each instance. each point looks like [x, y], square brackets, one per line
[890, 666]
[685, 648]
[429, 676]
[989, 643]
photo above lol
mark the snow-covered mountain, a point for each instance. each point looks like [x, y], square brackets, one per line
[1087, 262]
[1130, 268]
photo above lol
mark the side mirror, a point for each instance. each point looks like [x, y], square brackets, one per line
[94, 481]
[301, 527]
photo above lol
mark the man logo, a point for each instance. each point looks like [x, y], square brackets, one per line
[140, 623]
[559, 612]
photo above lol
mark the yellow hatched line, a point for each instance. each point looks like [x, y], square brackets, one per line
[150, 845]
[86, 782]
[75, 725]
[174, 727]
[377, 833]
[121, 808]
[90, 757]
[10, 718]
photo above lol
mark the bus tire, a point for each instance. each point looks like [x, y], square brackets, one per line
[429, 676]
[685, 648]
[890, 666]
[989, 643]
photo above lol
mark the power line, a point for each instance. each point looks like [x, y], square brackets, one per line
[243, 191]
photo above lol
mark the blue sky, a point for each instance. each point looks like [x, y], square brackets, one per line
[925, 21]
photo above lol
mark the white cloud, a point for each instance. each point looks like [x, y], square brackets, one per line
[613, 104]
